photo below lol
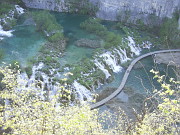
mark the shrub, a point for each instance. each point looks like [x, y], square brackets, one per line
[169, 32]
[165, 118]
[82, 7]
[47, 24]
[94, 26]
[32, 115]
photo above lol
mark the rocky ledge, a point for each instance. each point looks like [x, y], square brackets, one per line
[88, 43]
[168, 58]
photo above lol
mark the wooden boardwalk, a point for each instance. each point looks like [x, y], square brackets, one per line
[125, 77]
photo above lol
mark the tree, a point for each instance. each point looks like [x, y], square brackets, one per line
[169, 32]
[165, 118]
[23, 111]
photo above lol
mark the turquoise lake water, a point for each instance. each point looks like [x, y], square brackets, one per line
[72, 30]
[26, 42]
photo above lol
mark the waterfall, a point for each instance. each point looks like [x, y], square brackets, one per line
[102, 67]
[146, 45]
[111, 61]
[19, 9]
[122, 54]
[83, 92]
[34, 69]
[22, 79]
[134, 48]
[5, 33]
[9, 16]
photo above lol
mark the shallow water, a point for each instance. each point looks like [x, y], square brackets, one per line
[23, 45]
[72, 31]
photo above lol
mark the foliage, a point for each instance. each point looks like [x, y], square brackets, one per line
[23, 111]
[4, 8]
[7, 5]
[82, 7]
[47, 24]
[169, 32]
[166, 29]
[164, 119]
[94, 25]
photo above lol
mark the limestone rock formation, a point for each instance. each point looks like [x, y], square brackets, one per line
[148, 11]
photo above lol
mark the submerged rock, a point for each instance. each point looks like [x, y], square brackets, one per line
[104, 93]
[88, 43]
[137, 98]
[128, 90]
[58, 46]
[29, 21]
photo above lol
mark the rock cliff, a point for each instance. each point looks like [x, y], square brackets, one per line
[136, 9]
[148, 11]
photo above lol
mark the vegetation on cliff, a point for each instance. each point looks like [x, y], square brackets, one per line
[7, 5]
[166, 28]
[82, 7]
[9, 13]
[169, 32]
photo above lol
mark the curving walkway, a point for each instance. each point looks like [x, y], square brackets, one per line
[125, 77]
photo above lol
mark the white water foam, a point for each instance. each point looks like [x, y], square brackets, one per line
[5, 33]
[9, 16]
[34, 69]
[19, 9]
[83, 92]
[1, 38]
[102, 67]
[146, 45]
[134, 48]
[123, 55]
[111, 61]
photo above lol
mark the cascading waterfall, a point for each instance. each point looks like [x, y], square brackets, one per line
[47, 87]
[9, 16]
[19, 9]
[102, 67]
[123, 56]
[34, 70]
[108, 60]
[134, 48]
[146, 45]
[82, 92]
[111, 61]
[118, 56]
[5, 33]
